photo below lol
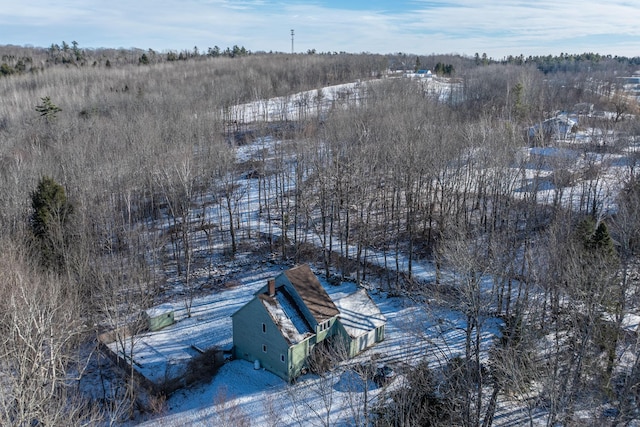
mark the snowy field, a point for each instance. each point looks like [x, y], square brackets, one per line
[297, 106]
[318, 102]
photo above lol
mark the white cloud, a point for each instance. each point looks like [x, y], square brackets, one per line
[498, 27]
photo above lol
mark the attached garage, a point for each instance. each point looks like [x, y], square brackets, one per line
[360, 322]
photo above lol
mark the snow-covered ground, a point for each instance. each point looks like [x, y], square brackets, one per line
[609, 171]
[317, 102]
[297, 106]
[415, 330]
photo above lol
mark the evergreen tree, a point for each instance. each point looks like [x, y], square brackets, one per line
[596, 239]
[48, 109]
[602, 241]
[519, 106]
[49, 220]
[76, 51]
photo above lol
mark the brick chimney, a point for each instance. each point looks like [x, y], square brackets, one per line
[271, 287]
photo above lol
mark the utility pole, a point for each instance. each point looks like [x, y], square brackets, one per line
[292, 42]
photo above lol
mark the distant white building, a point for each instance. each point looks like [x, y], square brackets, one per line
[420, 74]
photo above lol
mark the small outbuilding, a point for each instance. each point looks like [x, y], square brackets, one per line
[159, 317]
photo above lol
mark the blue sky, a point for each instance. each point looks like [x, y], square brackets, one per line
[495, 27]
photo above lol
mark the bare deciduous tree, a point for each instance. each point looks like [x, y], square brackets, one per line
[41, 329]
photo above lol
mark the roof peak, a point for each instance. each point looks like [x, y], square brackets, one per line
[313, 294]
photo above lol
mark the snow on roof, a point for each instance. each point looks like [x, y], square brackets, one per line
[563, 118]
[293, 312]
[359, 314]
[159, 310]
[286, 316]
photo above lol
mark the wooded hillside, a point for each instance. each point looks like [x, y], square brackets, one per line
[108, 162]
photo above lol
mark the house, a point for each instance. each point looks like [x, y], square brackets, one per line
[559, 127]
[279, 327]
[419, 74]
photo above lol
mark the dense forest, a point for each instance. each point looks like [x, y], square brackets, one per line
[109, 159]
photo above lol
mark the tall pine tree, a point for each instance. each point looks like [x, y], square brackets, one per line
[49, 220]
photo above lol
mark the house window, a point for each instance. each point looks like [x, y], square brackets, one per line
[264, 348]
[323, 326]
[264, 328]
[282, 358]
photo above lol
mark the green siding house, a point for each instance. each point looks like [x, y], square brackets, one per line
[278, 328]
